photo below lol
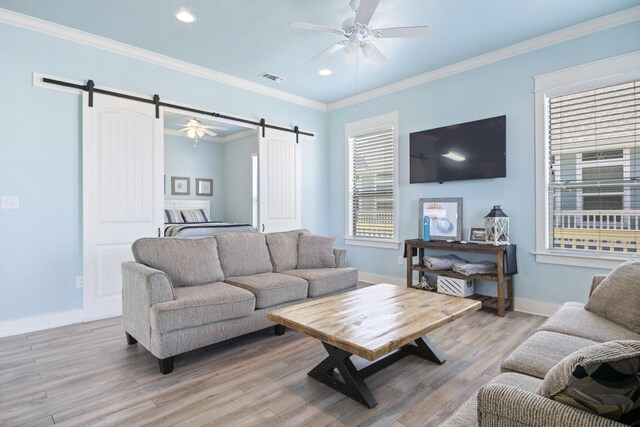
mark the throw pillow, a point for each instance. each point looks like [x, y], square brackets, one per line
[283, 248]
[172, 216]
[617, 298]
[195, 215]
[603, 379]
[315, 252]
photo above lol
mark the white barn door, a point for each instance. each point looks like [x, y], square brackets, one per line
[279, 170]
[123, 170]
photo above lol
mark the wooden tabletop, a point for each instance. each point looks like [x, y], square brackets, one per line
[373, 321]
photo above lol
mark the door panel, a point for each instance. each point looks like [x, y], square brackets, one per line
[122, 193]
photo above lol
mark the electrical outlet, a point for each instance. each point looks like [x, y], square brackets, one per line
[9, 202]
[79, 281]
[400, 259]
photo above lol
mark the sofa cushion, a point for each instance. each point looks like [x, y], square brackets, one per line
[187, 262]
[617, 298]
[603, 379]
[315, 252]
[467, 414]
[283, 249]
[573, 319]
[325, 281]
[272, 288]
[243, 253]
[201, 305]
[541, 352]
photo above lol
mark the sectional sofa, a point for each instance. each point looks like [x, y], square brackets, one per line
[181, 294]
[573, 335]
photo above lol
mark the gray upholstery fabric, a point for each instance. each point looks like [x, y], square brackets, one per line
[177, 342]
[323, 281]
[595, 282]
[242, 254]
[283, 248]
[142, 287]
[573, 319]
[617, 298]
[315, 252]
[541, 352]
[272, 288]
[187, 262]
[501, 405]
[200, 305]
[340, 256]
[467, 414]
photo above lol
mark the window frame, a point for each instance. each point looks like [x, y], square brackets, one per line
[611, 71]
[362, 127]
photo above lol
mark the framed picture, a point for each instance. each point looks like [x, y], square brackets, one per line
[180, 186]
[477, 235]
[445, 215]
[204, 187]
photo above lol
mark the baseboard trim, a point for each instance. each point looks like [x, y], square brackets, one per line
[523, 305]
[39, 323]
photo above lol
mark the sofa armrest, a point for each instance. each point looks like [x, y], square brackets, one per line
[142, 287]
[341, 257]
[501, 405]
[595, 281]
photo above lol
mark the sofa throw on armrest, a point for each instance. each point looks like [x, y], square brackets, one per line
[315, 252]
[603, 379]
[617, 298]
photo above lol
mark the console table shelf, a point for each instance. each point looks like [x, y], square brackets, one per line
[500, 303]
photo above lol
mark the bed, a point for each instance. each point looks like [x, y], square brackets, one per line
[192, 218]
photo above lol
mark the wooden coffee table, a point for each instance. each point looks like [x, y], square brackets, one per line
[370, 323]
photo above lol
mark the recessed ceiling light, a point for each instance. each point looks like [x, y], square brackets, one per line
[325, 72]
[185, 16]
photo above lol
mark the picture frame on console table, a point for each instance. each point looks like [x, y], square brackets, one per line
[477, 235]
[445, 215]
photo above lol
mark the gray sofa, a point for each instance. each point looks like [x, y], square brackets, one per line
[182, 294]
[512, 399]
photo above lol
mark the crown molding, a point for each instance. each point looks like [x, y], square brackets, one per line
[569, 33]
[77, 36]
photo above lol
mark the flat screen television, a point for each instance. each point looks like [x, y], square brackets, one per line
[472, 150]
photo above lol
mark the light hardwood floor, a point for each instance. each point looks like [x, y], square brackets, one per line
[86, 374]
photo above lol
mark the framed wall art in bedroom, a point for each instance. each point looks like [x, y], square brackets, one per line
[180, 186]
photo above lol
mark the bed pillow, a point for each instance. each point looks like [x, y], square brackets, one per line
[195, 215]
[617, 298]
[172, 216]
[603, 379]
[315, 252]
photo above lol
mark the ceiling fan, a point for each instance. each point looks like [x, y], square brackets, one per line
[359, 35]
[195, 129]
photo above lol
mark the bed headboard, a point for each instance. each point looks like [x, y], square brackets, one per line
[188, 205]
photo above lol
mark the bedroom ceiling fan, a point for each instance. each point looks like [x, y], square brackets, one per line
[196, 130]
[359, 36]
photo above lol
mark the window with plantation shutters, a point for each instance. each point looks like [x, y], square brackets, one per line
[593, 183]
[372, 181]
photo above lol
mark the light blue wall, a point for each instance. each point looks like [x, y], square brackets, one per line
[40, 153]
[501, 88]
[205, 160]
[238, 203]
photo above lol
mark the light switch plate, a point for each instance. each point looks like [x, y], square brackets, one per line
[9, 202]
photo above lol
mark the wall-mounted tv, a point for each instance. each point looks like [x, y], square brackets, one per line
[472, 150]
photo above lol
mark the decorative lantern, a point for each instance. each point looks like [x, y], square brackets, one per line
[496, 226]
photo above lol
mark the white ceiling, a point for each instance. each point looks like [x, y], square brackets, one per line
[245, 38]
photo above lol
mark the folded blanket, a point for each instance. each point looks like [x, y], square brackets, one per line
[444, 262]
[482, 267]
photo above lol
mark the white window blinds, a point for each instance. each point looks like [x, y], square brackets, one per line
[371, 176]
[594, 169]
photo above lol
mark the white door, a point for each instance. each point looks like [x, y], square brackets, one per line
[279, 158]
[122, 167]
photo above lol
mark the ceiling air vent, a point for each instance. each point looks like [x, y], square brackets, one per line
[272, 77]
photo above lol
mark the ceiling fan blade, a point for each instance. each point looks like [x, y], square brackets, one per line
[213, 127]
[366, 10]
[200, 132]
[328, 52]
[184, 129]
[208, 132]
[397, 32]
[314, 27]
[372, 53]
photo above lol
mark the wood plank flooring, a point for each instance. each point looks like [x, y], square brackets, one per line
[86, 374]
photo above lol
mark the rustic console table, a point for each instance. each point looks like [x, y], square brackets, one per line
[500, 303]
